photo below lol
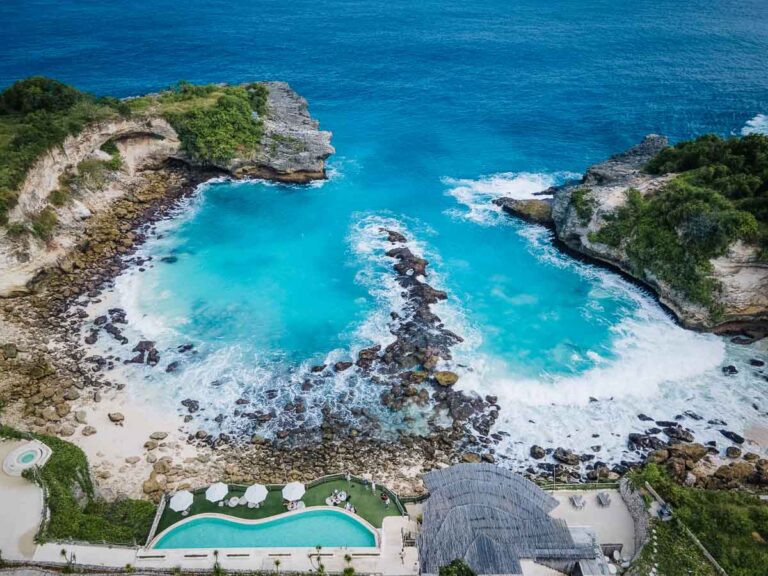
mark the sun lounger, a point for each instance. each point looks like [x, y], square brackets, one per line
[604, 499]
[577, 501]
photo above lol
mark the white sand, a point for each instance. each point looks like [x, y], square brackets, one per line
[21, 503]
[756, 436]
[108, 449]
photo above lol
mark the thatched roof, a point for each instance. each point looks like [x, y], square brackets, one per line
[491, 518]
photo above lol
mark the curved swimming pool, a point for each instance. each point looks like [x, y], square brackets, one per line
[326, 527]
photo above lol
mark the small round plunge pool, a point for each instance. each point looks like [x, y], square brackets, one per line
[26, 456]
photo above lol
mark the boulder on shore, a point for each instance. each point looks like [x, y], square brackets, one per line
[537, 452]
[566, 457]
[446, 378]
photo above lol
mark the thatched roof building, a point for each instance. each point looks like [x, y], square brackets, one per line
[493, 519]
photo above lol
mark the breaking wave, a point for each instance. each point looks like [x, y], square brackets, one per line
[757, 125]
[477, 196]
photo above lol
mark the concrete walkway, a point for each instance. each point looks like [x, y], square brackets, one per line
[21, 503]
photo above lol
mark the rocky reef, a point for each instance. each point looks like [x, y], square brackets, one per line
[578, 211]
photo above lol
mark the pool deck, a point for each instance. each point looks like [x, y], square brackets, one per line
[612, 524]
[389, 559]
[369, 505]
[21, 503]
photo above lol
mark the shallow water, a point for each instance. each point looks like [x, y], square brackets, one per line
[436, 109]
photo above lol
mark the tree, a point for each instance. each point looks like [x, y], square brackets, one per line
[457, 568]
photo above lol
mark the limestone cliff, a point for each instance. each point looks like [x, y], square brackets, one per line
[292, 149]
[577, 210]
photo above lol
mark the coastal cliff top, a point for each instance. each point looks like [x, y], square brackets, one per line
[258, 129]
[690, 221]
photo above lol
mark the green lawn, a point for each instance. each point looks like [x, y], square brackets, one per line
[368, 505]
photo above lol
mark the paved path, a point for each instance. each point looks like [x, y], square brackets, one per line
[21, 503]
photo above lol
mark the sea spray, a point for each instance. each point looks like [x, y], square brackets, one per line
[476, 196]
[756, 125]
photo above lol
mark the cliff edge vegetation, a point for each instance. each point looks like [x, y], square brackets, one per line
[66, 155]
[718, 196]
[690, 221]
[214, 123]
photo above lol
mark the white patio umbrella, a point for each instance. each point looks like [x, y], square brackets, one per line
[293, 491]
[216, 492]
[256, 494]
[181, 501]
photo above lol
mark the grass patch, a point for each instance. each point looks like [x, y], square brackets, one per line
[673, 553]
[368, 505]
[732, 526]
[85, 517]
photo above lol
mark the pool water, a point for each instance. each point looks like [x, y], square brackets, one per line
[28, 457]
[327, 528]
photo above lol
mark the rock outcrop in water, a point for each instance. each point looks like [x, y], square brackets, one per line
[293, 148]
[743, 297]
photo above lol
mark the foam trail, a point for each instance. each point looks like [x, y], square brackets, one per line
[757, 125]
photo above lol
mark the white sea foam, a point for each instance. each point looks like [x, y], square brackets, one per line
[654, 366]
[476, 196]
[757, 125]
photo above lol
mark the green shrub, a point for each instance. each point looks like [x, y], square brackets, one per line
[38, 93]
[719, 197]
[17, 229]
[733, 526]
[257, 94]
[58, 197]
[456, 568]
[219, 132]
[584, 202]
[44, 223]
[37, 114]
[110, 147]
[736, 168]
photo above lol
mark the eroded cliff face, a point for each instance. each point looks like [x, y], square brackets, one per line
[744, 280]
[293, 149]
[141, 143]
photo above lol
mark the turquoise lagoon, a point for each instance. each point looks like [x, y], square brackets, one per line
[437, 107]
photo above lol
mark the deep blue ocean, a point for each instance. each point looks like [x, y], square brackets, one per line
[436, 108]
